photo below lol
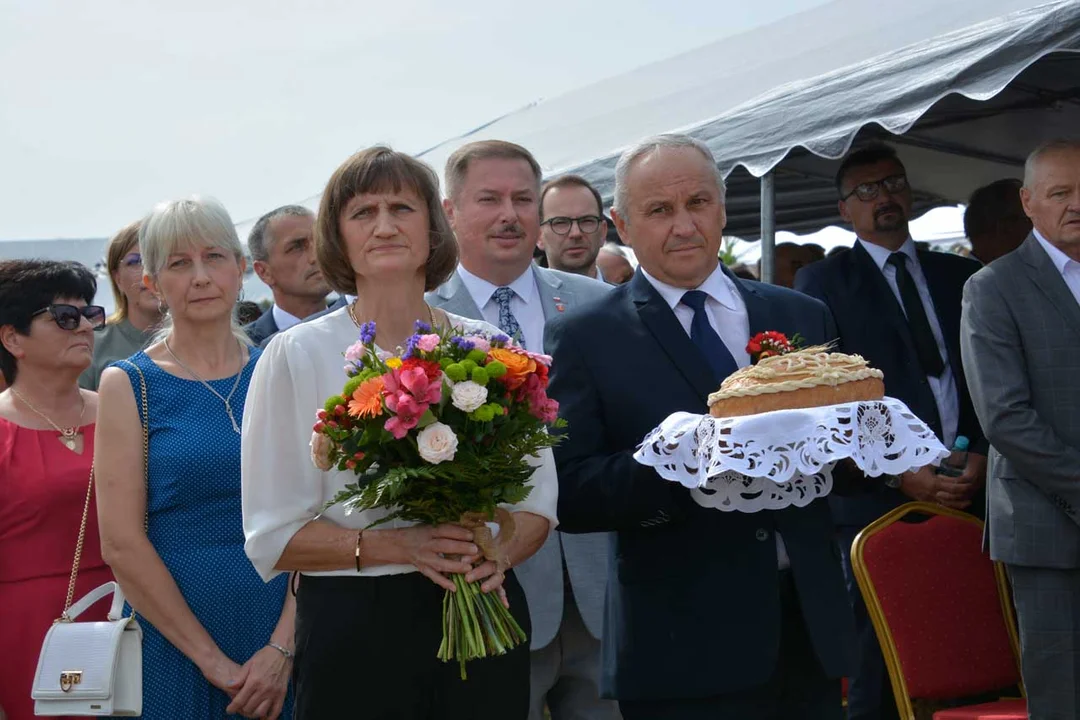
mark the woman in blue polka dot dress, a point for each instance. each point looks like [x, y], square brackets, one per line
[217, 641]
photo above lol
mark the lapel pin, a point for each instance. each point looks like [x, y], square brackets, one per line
[558, 303]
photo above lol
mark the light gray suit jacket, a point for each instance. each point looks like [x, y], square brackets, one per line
[541, 576]
[1020, 341]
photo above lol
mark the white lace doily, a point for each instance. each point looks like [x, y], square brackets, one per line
[776, 459]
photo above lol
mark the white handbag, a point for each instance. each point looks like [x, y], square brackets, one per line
[93, 668]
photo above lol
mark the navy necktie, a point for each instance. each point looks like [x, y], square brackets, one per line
[707, 339]
[926, 347]
[507, 322]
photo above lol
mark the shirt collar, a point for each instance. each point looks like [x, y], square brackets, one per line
[283, 319]
[881, 255]
[482, 290]
[1060, 259]
[717, 286]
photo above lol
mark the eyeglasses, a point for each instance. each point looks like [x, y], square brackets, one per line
[586, 223]
[68, 317]
[867, 191]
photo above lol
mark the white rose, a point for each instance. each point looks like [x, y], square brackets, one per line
[437, 443]
[467, 396]
[320, 451]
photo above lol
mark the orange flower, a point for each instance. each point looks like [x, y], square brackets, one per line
[367, 399]
[518, 367]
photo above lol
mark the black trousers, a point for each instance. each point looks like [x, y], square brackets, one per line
[797, 690]
[366, 648]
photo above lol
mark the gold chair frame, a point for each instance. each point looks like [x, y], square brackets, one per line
[877, 616]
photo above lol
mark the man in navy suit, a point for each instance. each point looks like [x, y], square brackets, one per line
[281, 246]
[709, 614]
[899, 308]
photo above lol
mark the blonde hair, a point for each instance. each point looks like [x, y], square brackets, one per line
[199, 221]
[119, 246]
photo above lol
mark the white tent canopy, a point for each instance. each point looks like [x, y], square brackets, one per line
[794, 95]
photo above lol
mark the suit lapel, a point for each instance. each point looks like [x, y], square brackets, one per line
[947, 295]
[871, 291]
[555, 296]
[455, 298]
[757, 307]
[673, 340]
[1045, 276]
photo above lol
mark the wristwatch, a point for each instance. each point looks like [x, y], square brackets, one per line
[893, 481]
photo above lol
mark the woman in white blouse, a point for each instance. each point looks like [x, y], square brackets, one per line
[369, 603]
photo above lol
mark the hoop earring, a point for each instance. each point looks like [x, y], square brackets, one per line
[240, 297]
[162, 307]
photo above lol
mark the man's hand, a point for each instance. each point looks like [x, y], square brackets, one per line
[926, 485]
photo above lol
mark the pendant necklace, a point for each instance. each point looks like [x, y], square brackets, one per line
[192, 373]
[68, 435]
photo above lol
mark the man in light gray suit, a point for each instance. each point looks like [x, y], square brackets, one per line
[493, 190]
[1020, 337]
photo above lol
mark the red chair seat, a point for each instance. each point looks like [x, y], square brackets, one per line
[1000, 710]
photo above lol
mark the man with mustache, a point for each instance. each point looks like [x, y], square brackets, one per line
[710, 614]
[899, 308]
[493, 203]
[281, 246]
[1021, 338]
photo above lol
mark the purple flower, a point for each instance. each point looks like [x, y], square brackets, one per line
[422, 328]
[411, 346]
[500, 339]
[367, 333]
[462, 343]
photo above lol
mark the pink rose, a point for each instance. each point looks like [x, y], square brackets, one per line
[479, 342]
[542, 359]
[320, 451]
[355, 352]
[427, 343]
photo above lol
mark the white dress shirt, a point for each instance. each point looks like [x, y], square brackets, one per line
[1069, 268]
[526, 305]
[729, 318]
[282, 490]
[284, 319]
[943, 387]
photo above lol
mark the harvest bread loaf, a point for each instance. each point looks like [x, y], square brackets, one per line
[799, 379]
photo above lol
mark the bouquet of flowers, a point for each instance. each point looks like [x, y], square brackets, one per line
[769, 343]
[441, 432]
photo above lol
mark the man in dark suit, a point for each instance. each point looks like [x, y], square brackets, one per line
[709, 614]
[899, 308]
[283, 254]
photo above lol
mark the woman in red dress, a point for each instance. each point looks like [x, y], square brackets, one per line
[46, 446]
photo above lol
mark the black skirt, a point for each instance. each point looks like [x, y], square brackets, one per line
[366, 648]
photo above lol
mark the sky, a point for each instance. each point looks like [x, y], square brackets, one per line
[109, 107]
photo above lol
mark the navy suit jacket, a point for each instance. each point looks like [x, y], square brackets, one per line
[263, 328]
[693, 604]
[871, 323]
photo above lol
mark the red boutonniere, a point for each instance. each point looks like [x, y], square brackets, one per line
[769, 343]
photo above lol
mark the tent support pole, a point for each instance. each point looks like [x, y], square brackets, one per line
[768, 227]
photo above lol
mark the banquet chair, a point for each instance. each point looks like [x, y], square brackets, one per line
[941, 610]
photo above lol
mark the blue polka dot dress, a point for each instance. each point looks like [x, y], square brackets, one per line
[196, 528]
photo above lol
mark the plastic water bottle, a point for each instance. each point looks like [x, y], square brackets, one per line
[954, 465]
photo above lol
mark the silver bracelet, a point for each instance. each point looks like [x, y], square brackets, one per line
[284, 651]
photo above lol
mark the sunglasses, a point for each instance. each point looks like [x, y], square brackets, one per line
[867, 191]
[68, 317]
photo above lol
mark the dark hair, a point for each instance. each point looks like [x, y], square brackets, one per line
[457, 165]
[989, 204]
[571, 181]
[257, 240]
[27, 286]
[247, 312]
[870, 155]
[373, 170]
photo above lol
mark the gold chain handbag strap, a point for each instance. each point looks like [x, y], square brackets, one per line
[144, 420]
